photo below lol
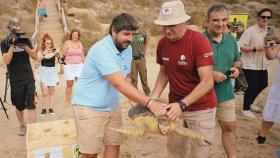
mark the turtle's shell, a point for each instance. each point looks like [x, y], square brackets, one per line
[143, 116]
[139, 110]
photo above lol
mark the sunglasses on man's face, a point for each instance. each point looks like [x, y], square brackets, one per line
[265, 17]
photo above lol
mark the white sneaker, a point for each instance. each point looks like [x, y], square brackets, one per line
[248, 113]
[254, 108]
[22, 130]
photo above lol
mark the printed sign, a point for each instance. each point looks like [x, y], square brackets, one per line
[239, 17]
[55, 152]
[236, 19]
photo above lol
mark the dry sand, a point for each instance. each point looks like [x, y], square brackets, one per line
[149, 146]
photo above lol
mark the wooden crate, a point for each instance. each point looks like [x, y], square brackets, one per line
[55, 139]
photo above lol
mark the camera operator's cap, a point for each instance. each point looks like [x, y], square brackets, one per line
[239, 23]
[172, 13]
[13, 24]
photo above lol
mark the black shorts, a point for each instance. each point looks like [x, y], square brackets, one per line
[22, 94]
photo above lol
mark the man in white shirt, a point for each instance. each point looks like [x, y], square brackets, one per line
[254, 60]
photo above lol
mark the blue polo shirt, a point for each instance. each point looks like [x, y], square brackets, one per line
[92, 89]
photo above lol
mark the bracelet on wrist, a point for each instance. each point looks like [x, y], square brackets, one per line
[155, 98]
[147, 101]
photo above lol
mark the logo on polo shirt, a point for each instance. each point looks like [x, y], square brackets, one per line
[208, 54]
[183, 60]
[18, 49]
[165, 59]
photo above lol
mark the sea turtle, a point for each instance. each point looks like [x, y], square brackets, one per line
[146, 121]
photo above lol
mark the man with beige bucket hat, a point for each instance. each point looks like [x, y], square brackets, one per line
[186, 60]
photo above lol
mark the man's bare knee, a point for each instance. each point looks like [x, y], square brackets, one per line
[228, 126]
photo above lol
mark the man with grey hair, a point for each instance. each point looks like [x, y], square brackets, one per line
[186, 60]
[16, 56]
[226, 66]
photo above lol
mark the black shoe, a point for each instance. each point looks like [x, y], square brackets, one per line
[261, 139]
[51, 111]
[44, 112]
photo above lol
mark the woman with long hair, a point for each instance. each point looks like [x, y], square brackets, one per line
[74, 59]
[48, 73]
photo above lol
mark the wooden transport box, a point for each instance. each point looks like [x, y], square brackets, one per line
[55, 139]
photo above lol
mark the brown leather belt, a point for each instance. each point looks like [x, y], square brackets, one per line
[138, 57]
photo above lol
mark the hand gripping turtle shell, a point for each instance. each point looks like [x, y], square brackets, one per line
[146, 122]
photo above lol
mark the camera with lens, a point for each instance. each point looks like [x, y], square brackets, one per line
[16, 37]
[61, 59]
[51, 50]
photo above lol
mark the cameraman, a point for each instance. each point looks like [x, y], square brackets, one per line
[16, 57]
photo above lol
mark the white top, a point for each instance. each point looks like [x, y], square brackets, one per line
[271, 112]
[253, 37]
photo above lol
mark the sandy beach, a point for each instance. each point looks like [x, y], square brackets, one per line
[148, 146]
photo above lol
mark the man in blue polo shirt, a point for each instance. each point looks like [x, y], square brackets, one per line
[226, 66]
[97, 92]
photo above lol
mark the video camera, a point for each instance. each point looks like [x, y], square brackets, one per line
[16, 37]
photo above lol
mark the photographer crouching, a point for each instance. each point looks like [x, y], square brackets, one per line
[16, 51]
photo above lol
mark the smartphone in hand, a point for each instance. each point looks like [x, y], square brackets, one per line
[270, 30]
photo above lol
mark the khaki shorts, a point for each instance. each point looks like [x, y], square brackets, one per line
[202, 121]
[93, 128]
[226, 111]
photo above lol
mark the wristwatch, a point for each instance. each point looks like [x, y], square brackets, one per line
[254, 49]
[183, 105]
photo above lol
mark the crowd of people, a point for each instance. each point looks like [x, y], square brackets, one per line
[199, 67]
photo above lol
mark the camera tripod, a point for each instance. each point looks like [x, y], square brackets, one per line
[5, 95]
[3, 107]
[6, 87]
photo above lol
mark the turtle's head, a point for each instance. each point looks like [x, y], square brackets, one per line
[164, 125]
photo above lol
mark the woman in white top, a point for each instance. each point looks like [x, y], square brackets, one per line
[271, 113]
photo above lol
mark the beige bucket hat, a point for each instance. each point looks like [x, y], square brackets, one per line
[172, 13]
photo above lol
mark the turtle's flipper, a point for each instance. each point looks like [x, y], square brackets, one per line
[192, 134]
[130, 131]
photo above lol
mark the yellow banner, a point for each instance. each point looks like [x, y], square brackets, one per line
[239, 17]
[235, 19]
